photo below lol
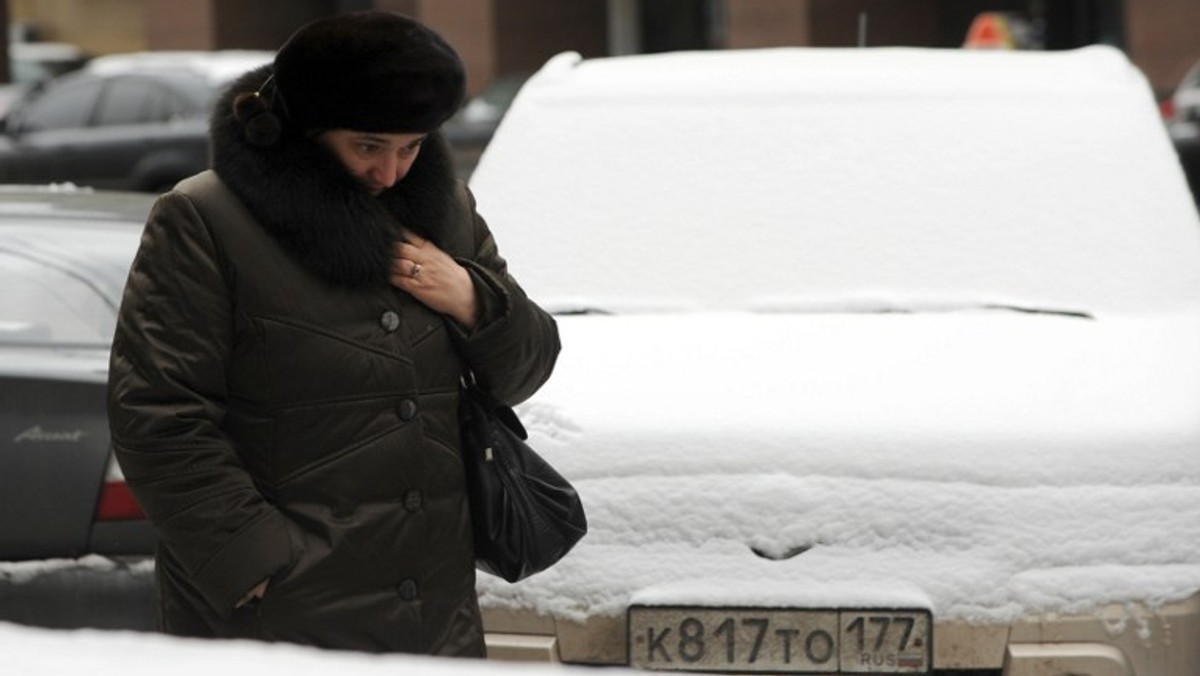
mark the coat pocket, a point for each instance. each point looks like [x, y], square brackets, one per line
[339, 617]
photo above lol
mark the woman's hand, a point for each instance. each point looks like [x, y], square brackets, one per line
[420, 268]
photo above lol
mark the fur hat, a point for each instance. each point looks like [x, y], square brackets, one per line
[366, 71]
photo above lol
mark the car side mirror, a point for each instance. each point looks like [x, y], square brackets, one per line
[13, 121]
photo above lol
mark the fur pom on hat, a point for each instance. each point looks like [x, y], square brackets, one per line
[366, 71]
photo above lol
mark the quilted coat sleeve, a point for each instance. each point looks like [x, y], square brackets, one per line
[514, 349]
[166, 402]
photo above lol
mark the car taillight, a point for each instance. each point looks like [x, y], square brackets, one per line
[116, 500]
[1167, 109]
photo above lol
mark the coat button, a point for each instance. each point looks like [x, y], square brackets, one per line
[407, 590]
[390, 321]
[407, 409]
[413, 500]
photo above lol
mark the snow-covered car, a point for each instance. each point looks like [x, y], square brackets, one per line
[74, 546]
[874, 361]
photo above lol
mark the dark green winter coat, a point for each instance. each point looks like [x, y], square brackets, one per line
[280, 411]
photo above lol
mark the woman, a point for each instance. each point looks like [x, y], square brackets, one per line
[285, 373]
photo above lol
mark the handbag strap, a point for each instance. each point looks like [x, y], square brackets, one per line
[495, 408]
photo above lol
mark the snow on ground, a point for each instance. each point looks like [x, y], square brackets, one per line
[39, 652]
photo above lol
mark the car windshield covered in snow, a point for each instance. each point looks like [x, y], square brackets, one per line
[832, 180]
[848, 332]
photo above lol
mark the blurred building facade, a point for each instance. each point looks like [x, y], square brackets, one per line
[502, 36]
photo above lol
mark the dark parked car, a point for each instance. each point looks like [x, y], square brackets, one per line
[73, 542]
[1184, 125]
[127, 122]
[471, 128]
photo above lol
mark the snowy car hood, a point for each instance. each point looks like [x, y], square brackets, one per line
[987, 465]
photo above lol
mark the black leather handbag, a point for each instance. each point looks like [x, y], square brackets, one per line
[525, 515]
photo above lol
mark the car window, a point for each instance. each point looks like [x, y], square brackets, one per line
[124, 102]
[67, 106]
[44, 304]
[164, 105]
[136, 101]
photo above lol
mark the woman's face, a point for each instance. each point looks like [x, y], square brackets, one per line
[378, 160]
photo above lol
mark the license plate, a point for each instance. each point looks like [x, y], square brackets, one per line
[781, 640]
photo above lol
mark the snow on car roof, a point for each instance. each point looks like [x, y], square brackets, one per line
[796, 179]
[217, 67]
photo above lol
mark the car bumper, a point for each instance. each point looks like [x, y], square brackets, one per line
[1121, 640]
[94, 591]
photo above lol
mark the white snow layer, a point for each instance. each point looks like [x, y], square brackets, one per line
[39, 652]
[906, 454]
[787, 179]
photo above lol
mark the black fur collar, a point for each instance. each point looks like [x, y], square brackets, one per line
[302, 195]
